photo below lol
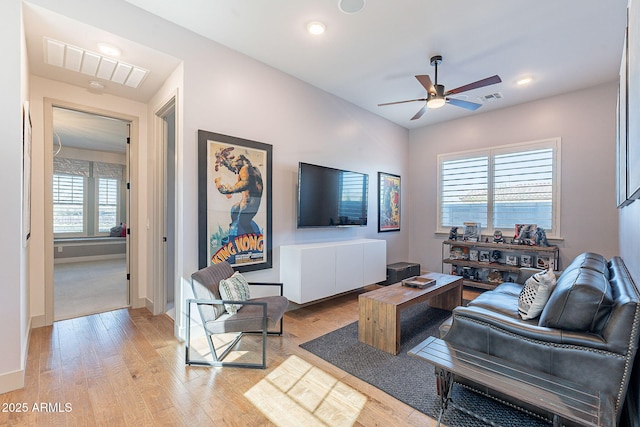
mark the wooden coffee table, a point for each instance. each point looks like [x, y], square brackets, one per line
[379, 322]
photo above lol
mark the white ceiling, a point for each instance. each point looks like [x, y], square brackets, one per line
[371, 57]
[77, 129]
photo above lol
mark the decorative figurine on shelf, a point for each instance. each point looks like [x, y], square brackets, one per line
[453, 233]
[495, 256]
[497, 237]
[541, 237]
[495, 277]
[525, 234]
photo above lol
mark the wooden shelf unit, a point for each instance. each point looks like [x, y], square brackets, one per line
[552, 252]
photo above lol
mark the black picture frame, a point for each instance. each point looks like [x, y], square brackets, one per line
[234, 202]
[389, 202]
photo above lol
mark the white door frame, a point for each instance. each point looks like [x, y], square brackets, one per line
[134, 300]
[170, 104]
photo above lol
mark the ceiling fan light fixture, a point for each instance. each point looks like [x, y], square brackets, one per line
[435, 103]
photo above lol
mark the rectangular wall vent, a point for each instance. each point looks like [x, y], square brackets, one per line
[490, 97]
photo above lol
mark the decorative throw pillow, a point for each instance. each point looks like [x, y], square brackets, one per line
[535, 294]
[235, 288]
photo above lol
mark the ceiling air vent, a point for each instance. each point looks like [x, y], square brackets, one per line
[92, 64]
[490, 97]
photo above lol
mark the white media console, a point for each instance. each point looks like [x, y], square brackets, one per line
[319, 270]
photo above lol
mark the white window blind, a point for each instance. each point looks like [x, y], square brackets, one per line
[108, 204]
[500, 187]
[108, 170]
[523, 189]
[66, 166]
[464, 191]
[68, 203]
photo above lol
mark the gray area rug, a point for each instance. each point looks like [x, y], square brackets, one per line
[408, 379]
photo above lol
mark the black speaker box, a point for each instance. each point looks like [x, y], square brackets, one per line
[401, 270]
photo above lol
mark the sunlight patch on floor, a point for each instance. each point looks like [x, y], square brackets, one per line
[298, 393]
[200, 349]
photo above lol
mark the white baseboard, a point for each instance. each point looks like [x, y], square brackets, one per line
[148, 304]
[38, 321]
[11, 381]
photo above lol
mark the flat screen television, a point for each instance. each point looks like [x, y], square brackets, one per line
[329, 197]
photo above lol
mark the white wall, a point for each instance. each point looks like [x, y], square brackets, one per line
[14, 313]
[584, 120]
[227, 92]
[250, 100]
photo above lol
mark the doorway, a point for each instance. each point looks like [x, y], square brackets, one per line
[90, 206]
[166, 266]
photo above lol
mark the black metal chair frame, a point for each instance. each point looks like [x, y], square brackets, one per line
[218, 359]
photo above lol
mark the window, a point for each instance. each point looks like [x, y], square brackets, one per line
[500, 187]
[68, 204]
[108, 204]
[86, 197]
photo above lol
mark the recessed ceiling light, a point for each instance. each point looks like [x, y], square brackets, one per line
[524, 81]
[351, 6]
[107, 49]
[316, 28]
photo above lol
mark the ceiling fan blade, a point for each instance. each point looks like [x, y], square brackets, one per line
[425, 81]
[464, 104]
[420, 113]
[402, 102]
[480, 83]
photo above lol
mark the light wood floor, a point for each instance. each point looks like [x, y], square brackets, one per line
[125, 367]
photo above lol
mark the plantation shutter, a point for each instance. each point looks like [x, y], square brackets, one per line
[523, 188]
[107, 204]
[68, 203]
[463, 193]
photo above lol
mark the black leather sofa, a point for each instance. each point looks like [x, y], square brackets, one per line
[586, 333]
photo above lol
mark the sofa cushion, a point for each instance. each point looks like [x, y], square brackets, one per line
[535, 294]
[500, 302]
[581, 301]
[509, 288]
[235, 288]
[592, 261]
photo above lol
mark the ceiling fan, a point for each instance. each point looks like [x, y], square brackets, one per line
[436, 95]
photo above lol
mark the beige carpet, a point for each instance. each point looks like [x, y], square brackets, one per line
[82, 288]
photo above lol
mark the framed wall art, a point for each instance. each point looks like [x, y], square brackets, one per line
[234, 202]
[388, 202]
